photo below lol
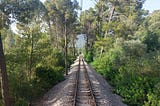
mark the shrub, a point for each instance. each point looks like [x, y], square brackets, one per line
[153, 98]
[130, 69]
[47, 76]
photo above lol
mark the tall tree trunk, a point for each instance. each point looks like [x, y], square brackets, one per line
[56, 31]
[87, 43]
[4, 77]
[66, 47]
[87, 38]
[74, 48]
[31, 57]
[111, 14]
[50, 31]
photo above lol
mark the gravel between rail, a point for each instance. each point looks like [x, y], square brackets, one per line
[60, 94]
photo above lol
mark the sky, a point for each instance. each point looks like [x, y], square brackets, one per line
[86, 4]
[152, 5]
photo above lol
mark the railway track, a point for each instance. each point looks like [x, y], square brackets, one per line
[83, 94]
[81, 88]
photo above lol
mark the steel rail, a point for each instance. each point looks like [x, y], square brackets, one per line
[90, 85]
[77, 80]
[76, 84]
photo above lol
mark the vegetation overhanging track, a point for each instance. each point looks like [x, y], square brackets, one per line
[83, 93]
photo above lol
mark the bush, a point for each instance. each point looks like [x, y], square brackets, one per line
[89, 56]
[47, 76]
[153, 98]
[21, 102]
[130, 69]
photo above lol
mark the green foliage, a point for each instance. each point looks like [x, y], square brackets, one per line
[21, 102]
[126, 50]
[34, 63]
[153, 98]
[46, 77]
[130, 69]
[134, 48]
[152, 41]
[71, 59]
[133, 86]
[126, 46]
[49, 75]
[89, 56]
[43, 76]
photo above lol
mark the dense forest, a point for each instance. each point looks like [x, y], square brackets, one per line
[122, 42]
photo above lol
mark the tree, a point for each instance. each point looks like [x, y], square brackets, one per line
[4, 77]
[4, 22]
[129, 48]
[88, 27]
[149, 31]
[17, 10]
[62, 16]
